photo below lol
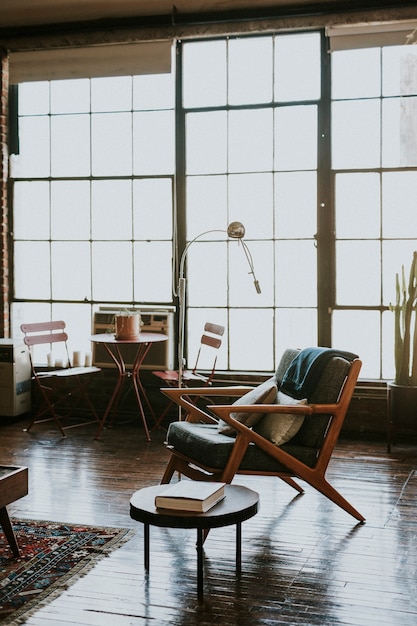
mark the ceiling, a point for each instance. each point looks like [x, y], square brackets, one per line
[27, 13]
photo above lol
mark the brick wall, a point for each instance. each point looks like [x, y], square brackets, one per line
[4, 171]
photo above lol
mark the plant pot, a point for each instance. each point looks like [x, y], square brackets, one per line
[401, 411]
[127, 326]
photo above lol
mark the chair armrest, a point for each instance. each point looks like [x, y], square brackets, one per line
[181, 396]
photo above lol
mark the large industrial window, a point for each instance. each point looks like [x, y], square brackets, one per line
[250, 121]
[315, 153]
[374, 161]
[93, 198]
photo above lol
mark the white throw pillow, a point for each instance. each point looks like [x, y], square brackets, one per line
[280, 427]
[265, 393]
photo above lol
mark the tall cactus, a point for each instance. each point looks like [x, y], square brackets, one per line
[405, 327]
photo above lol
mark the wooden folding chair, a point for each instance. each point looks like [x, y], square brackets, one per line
[210, 341]
[59, 388]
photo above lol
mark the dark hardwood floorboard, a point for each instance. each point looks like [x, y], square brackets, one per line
[304, 560]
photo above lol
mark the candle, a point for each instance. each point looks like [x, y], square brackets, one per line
[50, 359]
[76, 358]
[88, 359]
[59, 363]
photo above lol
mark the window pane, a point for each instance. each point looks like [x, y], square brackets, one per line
[31, 210]
[70, 96]
[153, 272]
[33, 161]
[206, 271]
[111, 204]
[112, 278]
[152, 209]
[153, 142]
[297, 67]
[70, 210]
[358, 273]
[399, 214]
[206, 143]
[250, 140]
[399, 74]
[31, 270]
[296, 281]
[112, 144]
[356, 73]
[296, 138]
[250, 202]
[70, 266]
[295, 204]
[22, 312]
[111, 94]
[153, 91]
[295, 328]
[204, 72]
[358, 205]
[388, 357]
[358, 332]
[242, 291]
[251, 350]
[356, 134]
[250, 70]
[395, 255]
[70, 145]
[399, 132]
[206, 205]
[34, 98]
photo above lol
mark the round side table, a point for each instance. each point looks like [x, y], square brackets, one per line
[238, 505]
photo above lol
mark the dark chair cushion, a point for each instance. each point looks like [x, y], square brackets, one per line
[213, 449]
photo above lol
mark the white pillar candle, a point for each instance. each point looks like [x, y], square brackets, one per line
[88, 359]
[50, 359]
[59, 363]
[76, 358]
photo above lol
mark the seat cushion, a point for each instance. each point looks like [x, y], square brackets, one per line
[204, 444]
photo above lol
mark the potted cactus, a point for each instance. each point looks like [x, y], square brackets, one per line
[402, 392]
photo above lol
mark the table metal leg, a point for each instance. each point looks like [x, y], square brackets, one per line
[199, 563]
[146, 547]
[238, 547]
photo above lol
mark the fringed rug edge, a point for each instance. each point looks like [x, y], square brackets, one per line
[65, 582]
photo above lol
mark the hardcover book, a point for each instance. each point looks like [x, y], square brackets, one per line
[190, 495]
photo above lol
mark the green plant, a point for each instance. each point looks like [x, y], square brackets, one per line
[405, 326]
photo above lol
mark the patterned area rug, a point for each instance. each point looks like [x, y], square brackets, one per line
[53, 557]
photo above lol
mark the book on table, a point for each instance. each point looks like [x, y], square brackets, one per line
[190, 495]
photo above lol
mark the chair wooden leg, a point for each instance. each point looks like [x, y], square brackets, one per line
[169, 471]
[292, 483]
[330, 492]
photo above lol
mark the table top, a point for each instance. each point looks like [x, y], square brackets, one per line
[143, 337]
[9, 470]
[238, 505]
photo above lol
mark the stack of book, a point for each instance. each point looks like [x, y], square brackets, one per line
[190, 495]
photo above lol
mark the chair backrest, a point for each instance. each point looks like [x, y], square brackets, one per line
[211, 338]
[328, 390]
[45, 332]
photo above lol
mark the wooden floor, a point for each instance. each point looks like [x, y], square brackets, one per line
[304, 560]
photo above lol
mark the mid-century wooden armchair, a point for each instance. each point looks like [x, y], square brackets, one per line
[291, 440]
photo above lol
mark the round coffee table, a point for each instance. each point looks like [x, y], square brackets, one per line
[238, 505]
